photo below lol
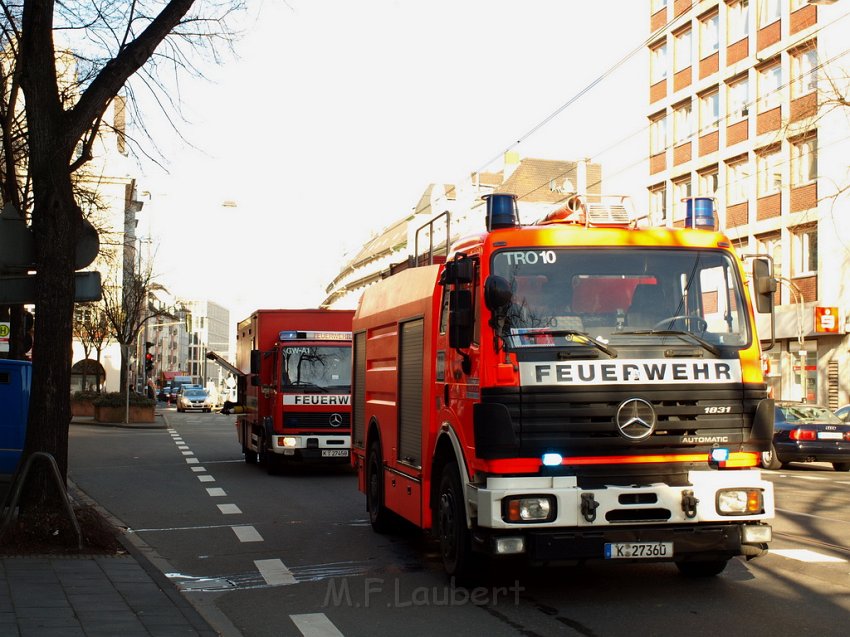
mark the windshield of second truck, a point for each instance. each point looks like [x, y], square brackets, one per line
[619, 295]
[319, 369]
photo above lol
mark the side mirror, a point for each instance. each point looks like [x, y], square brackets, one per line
[458, 271]
[765, 285]
[497, 293]
[460, 319]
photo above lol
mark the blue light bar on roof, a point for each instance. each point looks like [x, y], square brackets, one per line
[296, 335]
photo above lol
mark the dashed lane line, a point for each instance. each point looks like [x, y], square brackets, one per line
[229, 509]
[315, 625]
[216, 492]
[247, 534]
[275, 572]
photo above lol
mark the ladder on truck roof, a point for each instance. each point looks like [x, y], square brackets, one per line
[224, 363]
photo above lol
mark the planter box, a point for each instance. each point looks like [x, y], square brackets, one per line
[82, 408]
[116, 414]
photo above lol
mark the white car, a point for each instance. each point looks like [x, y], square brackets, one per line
[194, 398]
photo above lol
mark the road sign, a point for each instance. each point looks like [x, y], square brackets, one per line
[18, 290]
[5, 330]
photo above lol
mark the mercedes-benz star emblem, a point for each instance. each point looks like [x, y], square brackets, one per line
[335, 420]
[635, 419]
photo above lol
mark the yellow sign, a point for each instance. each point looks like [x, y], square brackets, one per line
[4, 330]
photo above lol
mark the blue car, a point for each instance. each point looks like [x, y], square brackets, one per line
[808, 433]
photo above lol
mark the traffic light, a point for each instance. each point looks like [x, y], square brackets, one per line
[148, 362]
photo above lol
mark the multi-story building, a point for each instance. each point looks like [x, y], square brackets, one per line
[743, 109]
[539, 184]
[210, 330]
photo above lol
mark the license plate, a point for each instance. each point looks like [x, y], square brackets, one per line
[830, 435]
[638, 550]
[334, 453]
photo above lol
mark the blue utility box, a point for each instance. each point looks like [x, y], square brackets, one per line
[15, 382]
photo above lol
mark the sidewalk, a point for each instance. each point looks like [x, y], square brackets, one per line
[94, 595]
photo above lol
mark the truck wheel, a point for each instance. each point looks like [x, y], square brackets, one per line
[769, 460]
[709, 568]
[379, 516]
[250, 456]
[454, 536]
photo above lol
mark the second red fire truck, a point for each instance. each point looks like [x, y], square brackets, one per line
[294, 386]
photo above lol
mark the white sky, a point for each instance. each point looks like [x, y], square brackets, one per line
[338, 114]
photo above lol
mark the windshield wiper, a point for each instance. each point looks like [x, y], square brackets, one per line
[711, 347]
[585, 338]
[304, 383]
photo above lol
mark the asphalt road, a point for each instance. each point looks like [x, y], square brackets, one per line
[294, 554]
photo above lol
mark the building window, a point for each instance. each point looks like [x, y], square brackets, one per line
[769, 169]
[804, 72]
[658, 63]
[681, 191]
[737, 181]
[738, 21]
[771, 245]
[657, 5]
[738, 99]
[768, 12]
[658, 135]
[709, 111]
[658, 204]
[682, 122]
[804, 251]
[708, 182]
[709, 39]
[770, 84]
[682, 41]
[804, 161]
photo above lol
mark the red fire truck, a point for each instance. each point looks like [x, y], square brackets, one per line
[584, 388]
[294, 389]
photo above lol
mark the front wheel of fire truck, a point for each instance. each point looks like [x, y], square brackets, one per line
[379, 516]
[452, 531]
[708, 568]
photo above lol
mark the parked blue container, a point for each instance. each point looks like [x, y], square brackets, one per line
[15, 383]
[699, 213]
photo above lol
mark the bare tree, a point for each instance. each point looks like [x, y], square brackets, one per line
[102, 45]
[91, 327]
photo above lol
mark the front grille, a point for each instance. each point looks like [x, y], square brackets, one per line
[582, 421]
[316, 420]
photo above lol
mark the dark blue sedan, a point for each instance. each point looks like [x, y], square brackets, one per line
[808, 433]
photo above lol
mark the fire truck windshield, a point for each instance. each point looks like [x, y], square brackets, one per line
[316, 369]
[623, 295]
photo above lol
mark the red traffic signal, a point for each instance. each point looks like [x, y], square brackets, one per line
[148, 362]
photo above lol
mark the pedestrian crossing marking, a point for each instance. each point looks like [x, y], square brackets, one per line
[275, 572]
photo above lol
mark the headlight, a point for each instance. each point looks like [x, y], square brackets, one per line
[529, 508]
[740, 502]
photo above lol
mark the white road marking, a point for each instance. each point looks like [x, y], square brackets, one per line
[182, 446]
[198, 469]
[805, 555]
[216, 492]
[206, 478]
[192, 461]
[188, 453]
[247, 534]
[275, 572]
[229, 509]
[315, 625]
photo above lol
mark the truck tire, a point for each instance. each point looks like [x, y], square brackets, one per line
[379, 516]
[708, 568]
[250, 456]
[452, 532]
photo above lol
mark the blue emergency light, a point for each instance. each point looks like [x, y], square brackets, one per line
[699, 213]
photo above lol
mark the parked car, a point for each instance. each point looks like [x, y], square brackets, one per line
[843, 413]
[806, 432]
[194, 398]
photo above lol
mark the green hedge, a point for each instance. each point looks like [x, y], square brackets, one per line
[117, 399]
